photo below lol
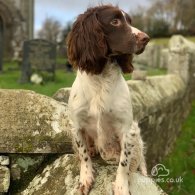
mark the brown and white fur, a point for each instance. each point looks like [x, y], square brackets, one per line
[101, 45]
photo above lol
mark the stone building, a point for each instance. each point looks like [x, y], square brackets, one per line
[16, 25]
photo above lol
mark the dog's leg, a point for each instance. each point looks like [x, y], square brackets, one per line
[141, 150]
[142, 166]
[121, 186]
[131, 152]
[86, 170]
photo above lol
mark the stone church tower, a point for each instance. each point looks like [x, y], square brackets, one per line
[16, 25]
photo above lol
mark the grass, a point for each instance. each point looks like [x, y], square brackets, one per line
[9, 79]
[191, 38]
[161, 41]
[156, 71]
[181, 161]
[165, 41]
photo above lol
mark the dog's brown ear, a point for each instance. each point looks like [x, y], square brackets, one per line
[125, 62]
[87, 47]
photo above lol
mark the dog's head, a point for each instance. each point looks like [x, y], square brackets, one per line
[103, 33]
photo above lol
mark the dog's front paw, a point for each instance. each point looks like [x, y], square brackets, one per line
[86, 180]
[85, 185]
[121, 187]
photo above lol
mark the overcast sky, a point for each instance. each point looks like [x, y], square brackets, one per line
[67, 10]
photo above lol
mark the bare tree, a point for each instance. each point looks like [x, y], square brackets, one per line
[66, 30]
[179, 14]
[50, 30]
[138, 18]
[63, 35]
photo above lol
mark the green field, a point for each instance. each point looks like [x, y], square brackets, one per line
[9, 79]
[164, 41]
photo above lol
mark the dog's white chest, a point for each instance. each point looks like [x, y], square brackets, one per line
[101, 105]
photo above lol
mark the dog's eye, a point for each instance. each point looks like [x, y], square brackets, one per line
[115, 22]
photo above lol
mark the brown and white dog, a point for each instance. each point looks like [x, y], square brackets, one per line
[101, 45]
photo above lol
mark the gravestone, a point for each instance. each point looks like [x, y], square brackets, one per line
[38, 55]
[1, 44]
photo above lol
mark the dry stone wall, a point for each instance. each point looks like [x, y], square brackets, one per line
[153, 56]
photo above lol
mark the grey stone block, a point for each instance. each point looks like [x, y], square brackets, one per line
[62, 177]
[4, 179]
[4, 160]
[32, 123]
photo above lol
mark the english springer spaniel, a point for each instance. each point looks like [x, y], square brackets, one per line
[101, 45]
